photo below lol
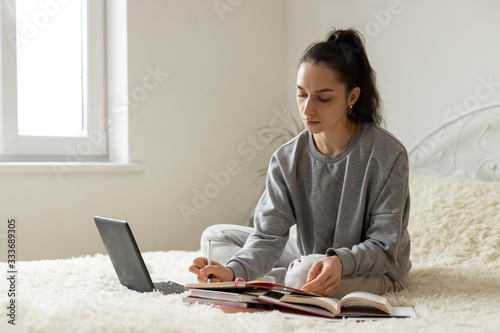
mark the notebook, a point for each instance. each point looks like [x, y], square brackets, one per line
[127, 259]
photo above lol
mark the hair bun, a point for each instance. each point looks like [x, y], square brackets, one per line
[332, 38]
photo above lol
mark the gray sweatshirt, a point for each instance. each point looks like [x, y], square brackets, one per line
[354, 205]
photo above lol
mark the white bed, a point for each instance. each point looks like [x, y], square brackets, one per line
[454, 282]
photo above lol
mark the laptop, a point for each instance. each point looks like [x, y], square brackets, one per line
[127, 259]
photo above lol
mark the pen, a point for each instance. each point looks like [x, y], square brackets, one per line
[209, 257]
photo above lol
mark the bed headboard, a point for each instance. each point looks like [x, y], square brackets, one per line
[465, 145]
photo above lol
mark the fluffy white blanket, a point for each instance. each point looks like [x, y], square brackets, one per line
[455, 280]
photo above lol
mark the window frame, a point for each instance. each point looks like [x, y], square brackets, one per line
[92, 147]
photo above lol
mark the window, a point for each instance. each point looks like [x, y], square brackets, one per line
[52, 96]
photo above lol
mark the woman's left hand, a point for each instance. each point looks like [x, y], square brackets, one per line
[324, 276]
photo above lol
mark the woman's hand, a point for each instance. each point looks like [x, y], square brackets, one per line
[324, 276]
[216, 271]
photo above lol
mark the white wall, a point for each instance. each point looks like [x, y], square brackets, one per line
[429, 56]
[227, 78]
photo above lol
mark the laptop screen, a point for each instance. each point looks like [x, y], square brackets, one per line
[124, 254]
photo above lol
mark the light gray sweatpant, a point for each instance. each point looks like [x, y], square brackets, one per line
[227, 239]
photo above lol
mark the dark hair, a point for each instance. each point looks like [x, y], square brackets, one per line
[343, 51]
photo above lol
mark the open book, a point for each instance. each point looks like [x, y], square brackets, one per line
[241, 285]
[353, 304]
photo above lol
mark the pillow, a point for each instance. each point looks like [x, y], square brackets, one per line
[454, 219]
[296, 275]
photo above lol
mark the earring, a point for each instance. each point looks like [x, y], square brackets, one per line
[350, 113]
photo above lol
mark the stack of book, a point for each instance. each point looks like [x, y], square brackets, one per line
[254, 296]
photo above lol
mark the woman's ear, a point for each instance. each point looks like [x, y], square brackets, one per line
[353, 96]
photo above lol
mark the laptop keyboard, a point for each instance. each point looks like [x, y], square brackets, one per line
[169, 287]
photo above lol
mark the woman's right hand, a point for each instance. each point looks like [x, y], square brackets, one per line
[216, 271]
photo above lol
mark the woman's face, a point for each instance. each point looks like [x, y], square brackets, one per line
[322, 99]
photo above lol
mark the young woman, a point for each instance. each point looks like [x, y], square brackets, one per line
[343, 182]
